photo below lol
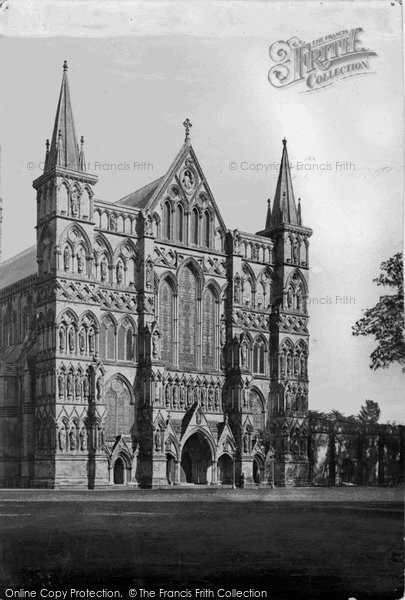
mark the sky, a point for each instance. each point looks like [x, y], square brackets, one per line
[137, 70]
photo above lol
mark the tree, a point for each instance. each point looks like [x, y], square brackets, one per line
[385, 320]
[369, 412]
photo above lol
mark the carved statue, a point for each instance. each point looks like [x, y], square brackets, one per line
[71, 339]
[80, 261]
[210, 398]
[289, 298]
[295, 252]
[158, 439]
[148, 226]
[288, 398]
[103, 269]
[82, 341]
[222, 334]
[217, 399]
[78, 386]
[288, 364]
[175, 396]
[167, 395]
[243, 355]
[86, 386]
[62, 439]
[236, 291]
[66, 258]
[99, 388]
[61, 385]
[120, 272]
[148, 277]
[74, 203]
[156, 345]
[245, 443]
[91, 341]
[113, 222]
[62, 339]
[83, 438]
[187, 180]
[299, 300]
[190, 396]
[204, 397]
[303, 365]
[72, 439]
[70, 384]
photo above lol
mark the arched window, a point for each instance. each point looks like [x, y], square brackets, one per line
[247, 292]
[187, 317]
[209, 329]
[255, 358]
[259, 364]
[207, 229]
[166, 317]
[195, 226]
[125, 341]
[167, 220]
[179, 223]
[262, 366]
[120, 411]
[107, 339]
[257, 413]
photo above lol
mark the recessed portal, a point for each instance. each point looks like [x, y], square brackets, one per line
[119, 472]
[196, 458]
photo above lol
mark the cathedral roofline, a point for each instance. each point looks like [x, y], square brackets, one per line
[59, 171]
[285, 227]
[18, 267]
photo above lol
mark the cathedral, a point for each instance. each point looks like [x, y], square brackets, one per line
[143, 343]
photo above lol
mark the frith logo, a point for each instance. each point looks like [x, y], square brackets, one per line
[319, 63]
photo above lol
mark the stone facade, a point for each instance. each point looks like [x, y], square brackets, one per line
[144, 343]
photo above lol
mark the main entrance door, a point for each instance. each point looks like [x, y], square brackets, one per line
[196, 459]
[119, 472]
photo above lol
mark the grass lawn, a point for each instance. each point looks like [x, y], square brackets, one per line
[329, 550]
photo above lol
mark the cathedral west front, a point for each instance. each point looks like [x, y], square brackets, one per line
[143, 343]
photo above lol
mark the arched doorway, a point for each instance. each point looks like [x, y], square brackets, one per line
[170, 468]
[196, 458]
[258, 470]
[225, 469]
[119, 472]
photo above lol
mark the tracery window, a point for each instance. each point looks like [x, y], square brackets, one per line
[107, 339]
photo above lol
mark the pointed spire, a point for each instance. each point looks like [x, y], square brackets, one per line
[64, 149]
[299, 212]
[268, 218]
[284, 208]
[46, 154]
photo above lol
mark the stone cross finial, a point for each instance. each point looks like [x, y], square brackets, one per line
[187, 126]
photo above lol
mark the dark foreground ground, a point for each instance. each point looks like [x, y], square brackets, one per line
[294, 544]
